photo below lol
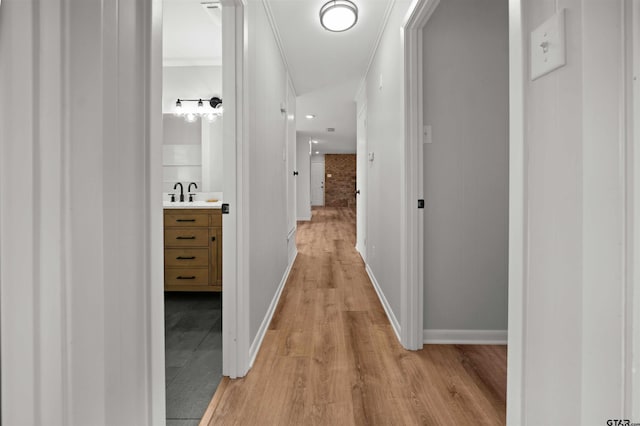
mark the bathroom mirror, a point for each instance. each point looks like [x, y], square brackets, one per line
[192, 152]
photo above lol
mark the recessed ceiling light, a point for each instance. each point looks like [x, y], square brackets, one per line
[310, 116]
[338, 15]
[314, 141]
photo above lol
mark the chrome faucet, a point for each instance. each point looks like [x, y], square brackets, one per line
[181, 190]
[189, 191]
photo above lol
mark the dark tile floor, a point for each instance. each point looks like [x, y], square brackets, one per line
[193, 351]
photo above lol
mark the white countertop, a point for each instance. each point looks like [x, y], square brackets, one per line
[191, 205]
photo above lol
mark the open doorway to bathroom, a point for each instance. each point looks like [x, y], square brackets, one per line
[192, 198]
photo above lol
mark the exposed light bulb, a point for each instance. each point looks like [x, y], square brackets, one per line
[190, 117]
[212, 117]
[200, 107]
[314, 141]
[309, 116]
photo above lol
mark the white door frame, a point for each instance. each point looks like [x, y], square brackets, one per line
[412, 234]
[412, 281]
[235, 297]
[632, 391]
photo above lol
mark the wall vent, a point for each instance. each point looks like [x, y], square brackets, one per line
[331, 129]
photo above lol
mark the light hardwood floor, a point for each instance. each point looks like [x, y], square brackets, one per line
[330, 356]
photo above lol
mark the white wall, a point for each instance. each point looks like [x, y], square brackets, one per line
[303, 182]
[385, 133]
[212, 155]
[190, 82]
[182, 151]
[574, 304]
[466, 168]
[74, 216]
[267, 165]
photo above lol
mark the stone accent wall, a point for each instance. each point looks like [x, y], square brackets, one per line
[340, 180]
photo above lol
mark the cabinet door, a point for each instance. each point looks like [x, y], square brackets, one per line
[215, 251]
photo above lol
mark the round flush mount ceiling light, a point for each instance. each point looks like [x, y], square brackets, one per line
[338, 15]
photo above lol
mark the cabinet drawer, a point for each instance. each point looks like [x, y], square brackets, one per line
[187, 237]
[178, 257]
[186, 276]
[186, 219]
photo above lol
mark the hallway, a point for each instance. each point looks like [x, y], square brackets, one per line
[331, 357]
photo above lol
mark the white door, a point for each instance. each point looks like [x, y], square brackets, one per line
[291, 159]
[317, 184]
[361, 184]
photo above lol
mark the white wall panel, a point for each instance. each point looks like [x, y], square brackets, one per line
[74, 253]
[267, 164]
[385, 138]
[574, 341]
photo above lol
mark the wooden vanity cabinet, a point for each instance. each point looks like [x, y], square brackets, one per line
[192, 250]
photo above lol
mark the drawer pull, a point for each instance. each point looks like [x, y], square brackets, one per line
[185, 220]
[186, 278]
[185, 257]
[213, 238]
[186, 238]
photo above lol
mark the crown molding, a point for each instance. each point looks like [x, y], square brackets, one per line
[276, 35]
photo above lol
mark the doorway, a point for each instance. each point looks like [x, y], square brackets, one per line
[317, 181]
[192, 179]
[233, 359]
[466, 171]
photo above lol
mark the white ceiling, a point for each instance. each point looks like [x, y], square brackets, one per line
[326, 68]
[191, 35]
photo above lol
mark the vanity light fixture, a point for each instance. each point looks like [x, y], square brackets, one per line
[212, 113]
[338, 15]
[309, 116]
[179, 109]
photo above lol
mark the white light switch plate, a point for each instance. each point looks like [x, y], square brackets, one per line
[548, 46]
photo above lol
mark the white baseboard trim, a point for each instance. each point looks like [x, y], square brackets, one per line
[304, 218]
[262, 331]
[465, 337]
[385, 303]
